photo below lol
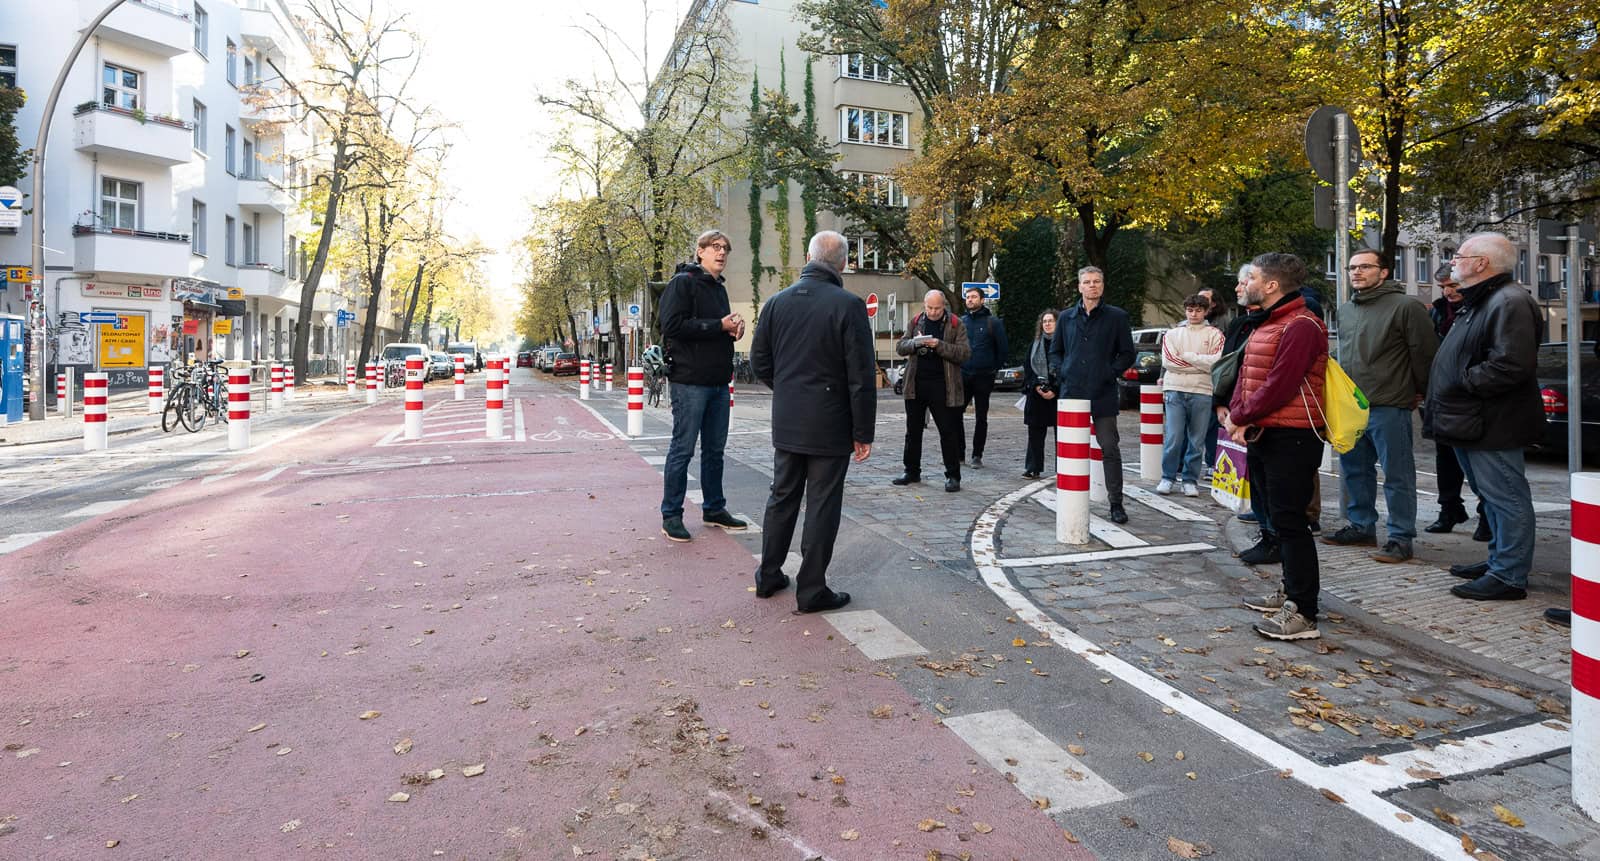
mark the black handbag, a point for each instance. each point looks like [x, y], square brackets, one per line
[1225, 373]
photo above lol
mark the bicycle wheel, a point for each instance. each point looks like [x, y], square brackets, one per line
[170, 412]
[193, 410]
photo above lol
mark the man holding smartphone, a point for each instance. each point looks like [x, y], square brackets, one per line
[935, 346]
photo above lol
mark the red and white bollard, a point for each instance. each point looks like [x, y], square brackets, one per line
[238, 408]
[506, 364]
[730, 393]
[275, 381]
[350, 378]
[1586, 642]
[1151, 419]
[288, 383]
[636, 402]
[95, 433]
[611, 377]
[413, 397]
[372, 382]
[461, 377]
[1097, 468]
[493, 400]
[63, 398]
[158, 389]
[1072, 470]
[583, 380]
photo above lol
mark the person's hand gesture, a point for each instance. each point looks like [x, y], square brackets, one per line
[863, 451]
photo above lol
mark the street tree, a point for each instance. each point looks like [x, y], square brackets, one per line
[13, 157]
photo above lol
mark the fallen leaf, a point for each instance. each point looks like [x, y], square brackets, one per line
[1446, 816]
[473, 770]
[1373, 759]
[729, 624]
[1071, 838]
[400, 797]
[289, 826]
[1147, 756]
[1075, 749]
[883, 711]
[1178, 756]
[112, 844]
[852, 834]
[1421, 773]
[982, 827]
[747, 683]
[1505, 815]
[1191, 775]
[478, 701]
[242, 653]
[929, 825]
[1185, 849]
[1019, 642]
[130, 798]
[1042, 803]
[436, 774]
[368, 715]
[941, 709]
[1404, 817]
[1468, 845]
[1127, 822]
[1331, 796]
[283, 751]
[402, 747]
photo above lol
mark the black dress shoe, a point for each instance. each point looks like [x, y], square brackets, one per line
[1447, 520]
[1482, 533]
[1030, 475]
[1470, 572]
[977, 461]
[774, 586]
[838, 599]
[951, 485]
[905, 479]
[1558, 616]
[1488, 588]
[1118, 515]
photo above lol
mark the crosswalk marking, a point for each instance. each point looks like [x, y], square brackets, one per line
[1043, 768]
[875, 636]
[1165, 506]
[104, 506]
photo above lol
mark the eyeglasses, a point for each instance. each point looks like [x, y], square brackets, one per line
[1466, 257]
[1361, 267]
[717, 246]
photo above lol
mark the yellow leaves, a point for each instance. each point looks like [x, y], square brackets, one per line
[883, 712]
[928, 825]
[1331, 796]
[982, 827]
[1185, 849]
[1018, 642]
[369, 715]
[1505, 815]
[402, 747]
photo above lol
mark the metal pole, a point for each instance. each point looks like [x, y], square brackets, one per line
[1574, 357]
[37, 313]
[1341, 191]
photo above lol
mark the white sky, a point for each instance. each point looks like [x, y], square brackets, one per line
[484, 63]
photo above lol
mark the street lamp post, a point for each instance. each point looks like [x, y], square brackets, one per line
[37, 316]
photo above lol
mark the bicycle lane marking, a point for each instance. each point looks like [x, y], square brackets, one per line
[1359, 794]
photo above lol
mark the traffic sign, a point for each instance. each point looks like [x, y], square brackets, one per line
[991, 291]
[11, 211]
[634, 310]
[343, 318]
[92, 318]
[872, 304]
[1321, 132]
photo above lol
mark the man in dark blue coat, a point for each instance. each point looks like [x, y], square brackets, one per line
[813, 347]
[1092, 347]
[986, 335]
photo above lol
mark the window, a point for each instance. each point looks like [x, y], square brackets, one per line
[197, 227]
[229, 136]
[1544, 268]
[864, 256]
[233, 63]
[228, 255]
[8, 65]
[119, 203]
[1399, 271]
[864, 68]
[1522, 266]
[1424, 265]
[880, 190]
[120, 87]
[249, 244]
[202, 23]
[294, 256]
[199, 126]
[879, 128]
[247, 165]
[249, 71]
[303, 260]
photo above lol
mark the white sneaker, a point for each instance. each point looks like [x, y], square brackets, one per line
[1165, 487]
[1191, 489]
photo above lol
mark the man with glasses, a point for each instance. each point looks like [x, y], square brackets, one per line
[1484, 401]
[699, 330]
[1386, 345]
[1452, 508]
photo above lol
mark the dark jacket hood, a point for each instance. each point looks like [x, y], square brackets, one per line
[697, 271]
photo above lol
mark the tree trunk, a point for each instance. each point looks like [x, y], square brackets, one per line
[427, 316]
[369, 327]
[411, 301]
[330, 220]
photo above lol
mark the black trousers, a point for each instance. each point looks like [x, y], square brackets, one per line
[1110, 439]
[1450, 479]
[948, 421]
[820, 481]
[978, 388]
[1283, 465]
[1034, 461]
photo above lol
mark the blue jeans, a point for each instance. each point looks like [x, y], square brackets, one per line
[1500, 479]
[697, 411]
[1183, 434]
[1387, 441]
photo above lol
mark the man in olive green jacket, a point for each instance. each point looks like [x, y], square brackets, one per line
[1386, 345]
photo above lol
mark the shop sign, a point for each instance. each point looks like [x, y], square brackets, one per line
[121, 291]
[191, 327]
[122, 343]
[222, 326]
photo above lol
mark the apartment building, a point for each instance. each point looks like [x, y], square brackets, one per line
[174, 169]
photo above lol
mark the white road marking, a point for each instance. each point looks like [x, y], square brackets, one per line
[270, 474]
[1103, 555]
[520, 432]
[736, 809]
[1104, 530]
[656, 460]
[1043, 768]
[1357, 794]
[13, 543]
[104, 506]
[615, 431]
[696, 496]
[875, 636]
[1165, 506]
[1472, 754]
[217, 477]
[753, 529]
[762, 432]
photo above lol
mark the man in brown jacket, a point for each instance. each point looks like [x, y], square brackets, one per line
[936, 344]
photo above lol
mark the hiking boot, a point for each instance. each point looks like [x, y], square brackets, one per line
[725, 520]
[1352, 535]
[673, 528]
[1191, 489]
[1288, 624]
[1482, 533]
[1268, 603]
[905, 479]
[1393, 552]
[1164, 487]
[1265, 552]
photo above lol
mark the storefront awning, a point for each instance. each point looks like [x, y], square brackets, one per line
[231, 307]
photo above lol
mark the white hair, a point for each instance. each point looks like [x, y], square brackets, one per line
[1496, 248]
[1245, 270]
[1090, 269]
[830, 248]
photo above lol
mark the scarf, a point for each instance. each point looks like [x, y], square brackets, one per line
[1036, 357]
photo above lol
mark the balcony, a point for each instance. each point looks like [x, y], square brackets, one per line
[263, 280]
[152, 27]
[262, 30]
[263, 108]
[105, 130]
[257, 194]
[107, 250]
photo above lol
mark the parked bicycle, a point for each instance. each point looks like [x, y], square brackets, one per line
[199, 392]
[743, 371]
[655, 375]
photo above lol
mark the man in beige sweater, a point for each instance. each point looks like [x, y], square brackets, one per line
[1188, 351]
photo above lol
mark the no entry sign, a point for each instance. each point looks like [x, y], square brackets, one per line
[872, 304]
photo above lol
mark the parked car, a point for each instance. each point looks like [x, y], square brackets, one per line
[546, 358]
[1008, 379]
[441, 366]
[1552, 376]
[1146, 370]
[565, 363]
[524, 359]
[393, 358]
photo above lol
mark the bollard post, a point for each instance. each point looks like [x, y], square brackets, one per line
[611, 377]
[1151, 420]
[493, 400]
[461, 377]
[288, 383]
[583, 380]
[506, 364]
[63, 402]
[730, 393]
[1586, 642]
[414, 372]
[1072, 470]
[275, 382]
[95, 432]
[238, 408]
[1097, 468]
[372, 382]
[158, 389]
[636, 402]
[350, 378]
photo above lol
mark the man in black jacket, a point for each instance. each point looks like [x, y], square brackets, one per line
[986, 335]
[699, 331]
[1484, 401]
[1092, 347]
[813, 347]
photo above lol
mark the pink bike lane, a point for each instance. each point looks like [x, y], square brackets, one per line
[454, 648]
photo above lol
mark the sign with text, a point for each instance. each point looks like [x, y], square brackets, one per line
[191, 326]
[20, 274]
[222, 326]
[11, 211]
[122, 342]
[122, 291]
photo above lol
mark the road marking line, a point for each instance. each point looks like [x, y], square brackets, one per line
[736, 809]
[1166, 506]
[1103, 555]
[218, 477]
[1357, 795]
[1042, 767]
[105, 506]
[520, 429]
[753, 529]
[615, 431]
[656, 460]
[270, 474]
[1104, 530]
[695, 496]
[875, 636]
[13, 543]
[1476, 753]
